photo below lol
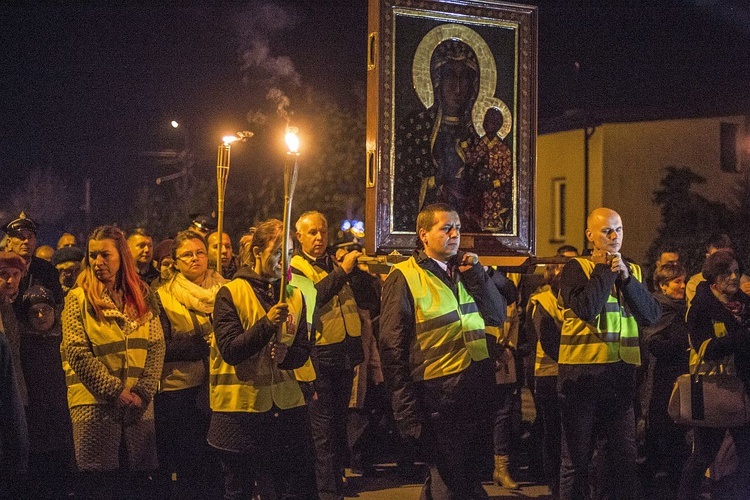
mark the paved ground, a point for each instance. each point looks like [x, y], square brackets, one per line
[385, 484]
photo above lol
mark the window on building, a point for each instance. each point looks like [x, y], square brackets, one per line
[729, 135]
[559, 194]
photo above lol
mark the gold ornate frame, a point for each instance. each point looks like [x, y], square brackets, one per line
[403, 36]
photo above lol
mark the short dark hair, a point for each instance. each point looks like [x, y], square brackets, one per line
[567, 248]
[426, 217]
[139, 231]
[719, 240]
[668, 248]
[717, 264]
[668, 272]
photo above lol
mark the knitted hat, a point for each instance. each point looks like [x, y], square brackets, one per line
[163, 250]
[36, 294]
[67, 254]
[8, 259]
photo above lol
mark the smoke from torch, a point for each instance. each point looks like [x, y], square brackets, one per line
[260, 67]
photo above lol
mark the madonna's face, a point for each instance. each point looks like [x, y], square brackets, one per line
[456, 82]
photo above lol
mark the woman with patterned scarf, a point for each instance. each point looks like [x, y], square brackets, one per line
[186, 303]
[112, 352]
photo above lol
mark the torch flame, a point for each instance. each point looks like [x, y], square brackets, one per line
[229, 139]
[292, 141]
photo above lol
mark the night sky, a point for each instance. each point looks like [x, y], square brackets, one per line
[86, 87]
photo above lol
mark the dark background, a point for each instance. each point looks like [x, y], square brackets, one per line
[87, 87]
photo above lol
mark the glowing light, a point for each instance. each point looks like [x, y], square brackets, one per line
[229, 139]
[358, 228]
[346, 225]
[174, 124]
[292, 141]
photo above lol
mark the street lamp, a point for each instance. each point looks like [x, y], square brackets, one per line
[222, 174]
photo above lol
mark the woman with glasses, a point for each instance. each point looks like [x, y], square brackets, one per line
[112, 351]
[259, 419]
[186, 303]
[720, 315]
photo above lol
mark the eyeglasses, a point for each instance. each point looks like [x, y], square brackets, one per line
[188, 256]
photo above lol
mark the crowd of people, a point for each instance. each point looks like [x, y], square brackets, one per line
[182, 370]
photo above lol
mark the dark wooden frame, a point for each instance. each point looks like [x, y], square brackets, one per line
[388, 22]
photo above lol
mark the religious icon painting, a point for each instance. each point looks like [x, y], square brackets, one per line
[451, 119]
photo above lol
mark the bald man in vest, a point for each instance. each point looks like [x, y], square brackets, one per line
[437, 360]
[604, 302]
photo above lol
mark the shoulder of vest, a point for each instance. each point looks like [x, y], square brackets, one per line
[236, 284]
[79, 295]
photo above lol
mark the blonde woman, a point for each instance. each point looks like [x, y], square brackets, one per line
[186, 304]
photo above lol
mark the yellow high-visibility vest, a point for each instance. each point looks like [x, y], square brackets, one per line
[544, 366]
[611, 337]
[450, 332]
[255, 384]
[306, 373]
[178, 375]
[123, 354]
[337, 318]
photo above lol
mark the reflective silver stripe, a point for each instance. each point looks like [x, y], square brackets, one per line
[132, 372]
[424, 356]
[119, 346]
[111, 348]
[590, 338]
[439, 322]
[470, 307]
[612, 307]
[472, 335]
[629, 341]
[231, 379]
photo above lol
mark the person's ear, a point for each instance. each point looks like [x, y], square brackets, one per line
[423, 236]
[256, 252]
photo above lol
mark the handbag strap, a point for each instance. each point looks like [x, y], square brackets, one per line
[701, 352]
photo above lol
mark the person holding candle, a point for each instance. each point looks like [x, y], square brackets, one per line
[259, 419]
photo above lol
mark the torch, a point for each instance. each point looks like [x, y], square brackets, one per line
[222, 174]
[290, 181]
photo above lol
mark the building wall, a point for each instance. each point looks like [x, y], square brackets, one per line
[626, 163]
[559, 156]
[636, 156]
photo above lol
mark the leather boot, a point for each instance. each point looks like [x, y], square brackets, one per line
[501, 475]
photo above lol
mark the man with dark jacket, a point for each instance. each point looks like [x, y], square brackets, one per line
[21, 233]
[437, 360]
[336, 330]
